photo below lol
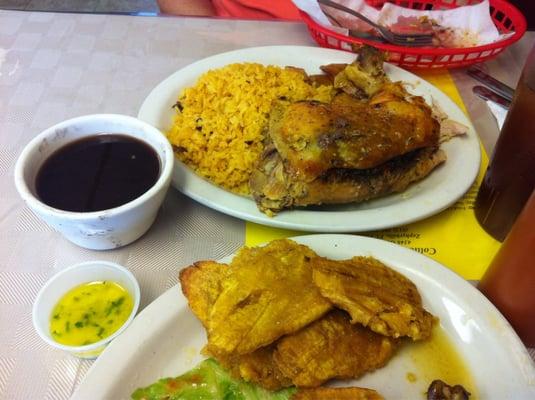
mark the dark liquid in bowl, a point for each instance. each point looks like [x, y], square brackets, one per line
[97, 173]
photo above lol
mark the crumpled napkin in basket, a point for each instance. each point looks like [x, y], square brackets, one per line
[472, 24]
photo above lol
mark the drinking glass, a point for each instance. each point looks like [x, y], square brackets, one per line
[509, 282]
[510, 176]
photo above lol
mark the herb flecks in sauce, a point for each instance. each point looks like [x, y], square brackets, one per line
[90, 312]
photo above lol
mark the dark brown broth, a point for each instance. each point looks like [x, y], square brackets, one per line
[97, 173]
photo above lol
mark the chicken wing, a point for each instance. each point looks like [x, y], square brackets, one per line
[363, 77]
[331, 348]
[375, 296]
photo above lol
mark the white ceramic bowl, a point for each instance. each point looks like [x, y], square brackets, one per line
[71, 277]
[98, 230]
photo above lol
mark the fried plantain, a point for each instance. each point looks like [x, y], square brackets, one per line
[257, 367]
[331, 348]
[268, 322]
[201, 285]
[344, 393]
[375, 296]
[268, 293]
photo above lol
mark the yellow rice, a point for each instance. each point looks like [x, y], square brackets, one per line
[219, 130]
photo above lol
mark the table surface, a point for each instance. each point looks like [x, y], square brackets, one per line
[56, 66]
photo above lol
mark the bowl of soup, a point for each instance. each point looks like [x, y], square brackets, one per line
[84, 307]
[97, 179]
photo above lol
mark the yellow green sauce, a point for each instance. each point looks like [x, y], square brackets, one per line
[90, 312]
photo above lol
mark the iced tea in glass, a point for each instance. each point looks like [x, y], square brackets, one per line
[510, 176]
[509, 282]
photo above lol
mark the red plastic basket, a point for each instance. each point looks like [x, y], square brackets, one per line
[506, 17]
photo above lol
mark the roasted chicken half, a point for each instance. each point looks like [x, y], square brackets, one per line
[373, 139]
[312, 138]
[274, 189]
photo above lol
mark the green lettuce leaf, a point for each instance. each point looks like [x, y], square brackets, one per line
[207, 381]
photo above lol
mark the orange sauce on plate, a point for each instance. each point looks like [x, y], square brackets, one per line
[437, 358]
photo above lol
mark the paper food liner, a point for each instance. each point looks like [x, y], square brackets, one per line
[472, 25]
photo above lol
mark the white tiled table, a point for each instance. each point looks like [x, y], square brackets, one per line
[57, 66]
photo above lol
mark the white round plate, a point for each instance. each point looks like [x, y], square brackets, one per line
[436, 192]
[165, 338]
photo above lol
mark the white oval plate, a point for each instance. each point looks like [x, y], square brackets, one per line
[165, 338]
[436, 192]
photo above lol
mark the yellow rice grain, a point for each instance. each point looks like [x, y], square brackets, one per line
[221, 125]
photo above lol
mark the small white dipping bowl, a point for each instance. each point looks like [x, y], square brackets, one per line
[69, 278]
[97, 230]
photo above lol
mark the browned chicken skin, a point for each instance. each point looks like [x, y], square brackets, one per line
[313, 137]
[274, 190]
[364, 77]
[371, 140]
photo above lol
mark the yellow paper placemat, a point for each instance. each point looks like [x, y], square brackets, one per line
[452, 237]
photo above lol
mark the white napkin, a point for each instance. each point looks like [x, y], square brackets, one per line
[472, 22]
[312, 8]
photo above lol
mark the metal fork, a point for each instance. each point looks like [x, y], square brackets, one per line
[411, 40]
